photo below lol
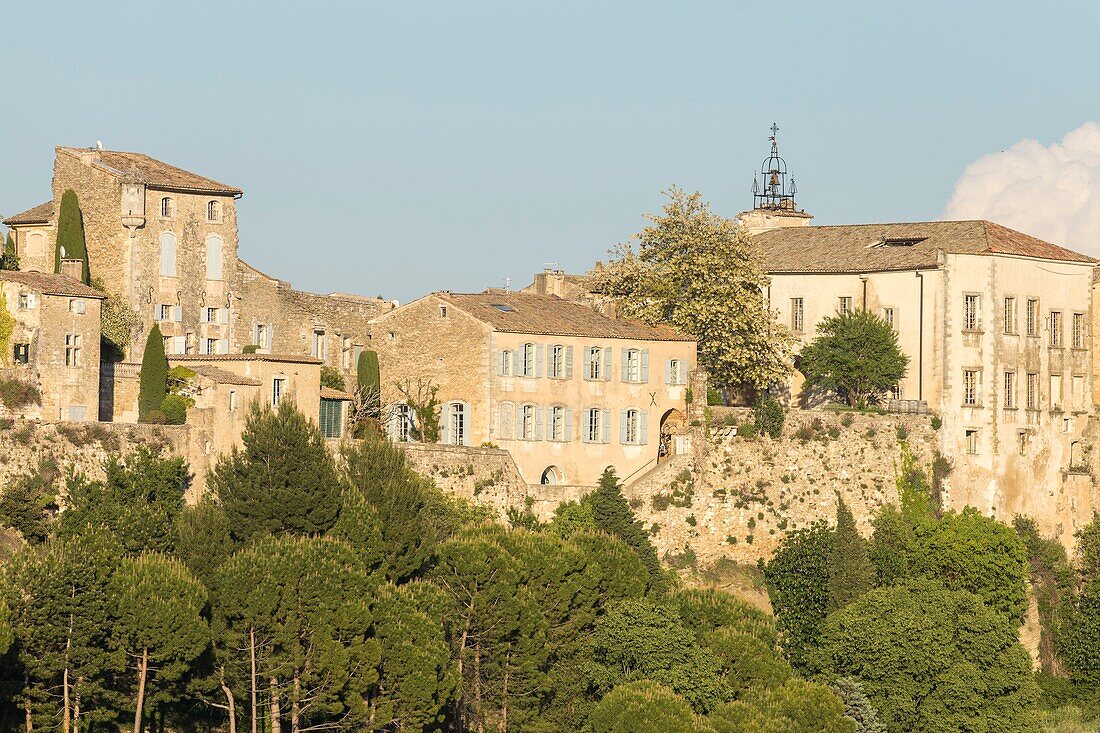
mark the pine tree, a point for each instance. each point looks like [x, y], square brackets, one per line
[11, 259]
[202, 538]
[614, 516]
[160, 625]
[370, 383]
[283, 479]
[851, 573]
[153, 386]
[70, 234]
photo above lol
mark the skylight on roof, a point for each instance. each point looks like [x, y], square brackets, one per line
[900, 241]
[503, 308]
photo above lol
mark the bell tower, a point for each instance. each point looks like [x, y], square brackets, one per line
[773, 191]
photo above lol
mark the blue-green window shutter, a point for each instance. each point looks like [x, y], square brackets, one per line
[645, 366]
[643, 427]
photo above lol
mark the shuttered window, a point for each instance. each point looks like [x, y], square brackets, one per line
[331, 418]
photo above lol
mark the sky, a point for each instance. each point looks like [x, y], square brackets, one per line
[396, 148]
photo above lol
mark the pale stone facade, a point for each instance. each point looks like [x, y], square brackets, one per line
[996, 326]
[541, 377]
[54, 343]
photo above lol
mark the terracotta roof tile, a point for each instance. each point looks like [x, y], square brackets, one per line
[883, 247]
[49, 283]
[155, 173]
[512, 312]
[328, 393]
[40, 214]
[224, 376]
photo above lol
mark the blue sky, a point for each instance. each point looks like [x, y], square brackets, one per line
[397, 148]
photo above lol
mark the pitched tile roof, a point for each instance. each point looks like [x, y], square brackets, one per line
[155, 173]
[49, 283]
[512, 312]
[224, 376]
[883, 247]
[40, 214]
[328, 393]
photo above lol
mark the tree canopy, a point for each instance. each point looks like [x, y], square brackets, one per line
[855, 355]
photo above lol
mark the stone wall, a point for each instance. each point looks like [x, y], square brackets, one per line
[485, 476]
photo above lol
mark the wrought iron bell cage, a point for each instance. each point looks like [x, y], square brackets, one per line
[772, 188]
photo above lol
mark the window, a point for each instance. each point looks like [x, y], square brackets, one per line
[1056, 328]
[77, 306]
[1032, 391]
[593, 425]
[26, 301]
[214, 247]
[166, 207]
[594, 367]
[629, 430]
[1032, 317]
[971, 437]
[72, 350]
[442, 311]
[320, 345]
[558, 367]
[209, 315]
[844, 306]
[1010, 391]
[1056, 391]
[22, 353]
[1010, 315]
[675, 372]
[972, 385]
[168, 254]
[1079, 392]
[632, 365]
[278, 388]
[559, 427]
[232, 400]
[164, 312]
[1078, 330]
[261, 336]
[798, 315]
[972, 312]
[507, 357]
[345, 353]
[455, 430]
[213, 211]
[889, 317]
[401, 422]
[210, 346]
[895, 392]
[527, 360]
[527, 422]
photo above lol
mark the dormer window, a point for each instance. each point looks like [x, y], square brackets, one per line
[213, 211]
[899, 241]
[167, 209]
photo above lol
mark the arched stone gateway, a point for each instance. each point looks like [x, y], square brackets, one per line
[673, 435]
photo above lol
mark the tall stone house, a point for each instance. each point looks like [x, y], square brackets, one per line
[166, 240]
[997, 326]
[567, 390]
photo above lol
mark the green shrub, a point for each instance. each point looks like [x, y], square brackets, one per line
[902, 432]
[250, 348]
[153, 387]
[769, 416]
[937, 422]
[174, 408]
[714, 397]
[156, 417]
[746, 430]
[847, 420]
[16, 393]
[332, 379]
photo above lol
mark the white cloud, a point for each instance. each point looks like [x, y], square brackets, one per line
[1049, 192]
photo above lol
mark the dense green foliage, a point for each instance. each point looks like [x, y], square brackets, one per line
[855, 355]
[798, 582]
[768, 416]
[850, 571]
[612, 514]
[369, 383]
[10, 260]
[70, 234]
[153, 385]
[332, 378]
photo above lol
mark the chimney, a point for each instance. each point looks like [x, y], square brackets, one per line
[73, 269]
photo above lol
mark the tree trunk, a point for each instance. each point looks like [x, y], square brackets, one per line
[143, 671]
[252, 655]
[276, 713]
[479, 710]
[231, 704]
[66, 716]
[295, 706]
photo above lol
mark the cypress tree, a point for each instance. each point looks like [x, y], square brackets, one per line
[154, 376]
[370, 382]
[11, 259]
[851, 573]
[614, 516]
[70, 234]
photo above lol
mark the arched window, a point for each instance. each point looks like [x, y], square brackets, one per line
[214, 246]
[168, 254]
[456, 423]
[552, 475]
[506, 420]
[213, 211]
[167, 208]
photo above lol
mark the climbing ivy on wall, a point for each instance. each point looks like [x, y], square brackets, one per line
[7, 326]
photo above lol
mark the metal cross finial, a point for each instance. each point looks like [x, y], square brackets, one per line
[775, 129]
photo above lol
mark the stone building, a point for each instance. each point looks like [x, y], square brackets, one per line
[54, 343]
[996, 325]
[567, 390]
[166, 240]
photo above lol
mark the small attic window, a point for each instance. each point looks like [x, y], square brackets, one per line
[900, 241]
[503, 308]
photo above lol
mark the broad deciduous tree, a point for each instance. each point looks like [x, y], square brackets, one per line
[854, 354]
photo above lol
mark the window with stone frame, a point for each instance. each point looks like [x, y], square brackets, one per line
[557, 428]
[507, 358]
[21, 353]
[1010, 390]
[72, 349]
[527, 424]
[210, 346]
[890, 316]
[630, 430]
[167, 207]
[1033, 390]
[556, 365]
[1031, 317]
[278, 389]
[593, 425]
[1010, 315]
[972, 312]
[1079, 335]
[527, 360]
[798, 315]
[844, 305]
[1056, 329]
[213, 211]
[594, 363]
[632, 366]
[972, 387]
[971, 439]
